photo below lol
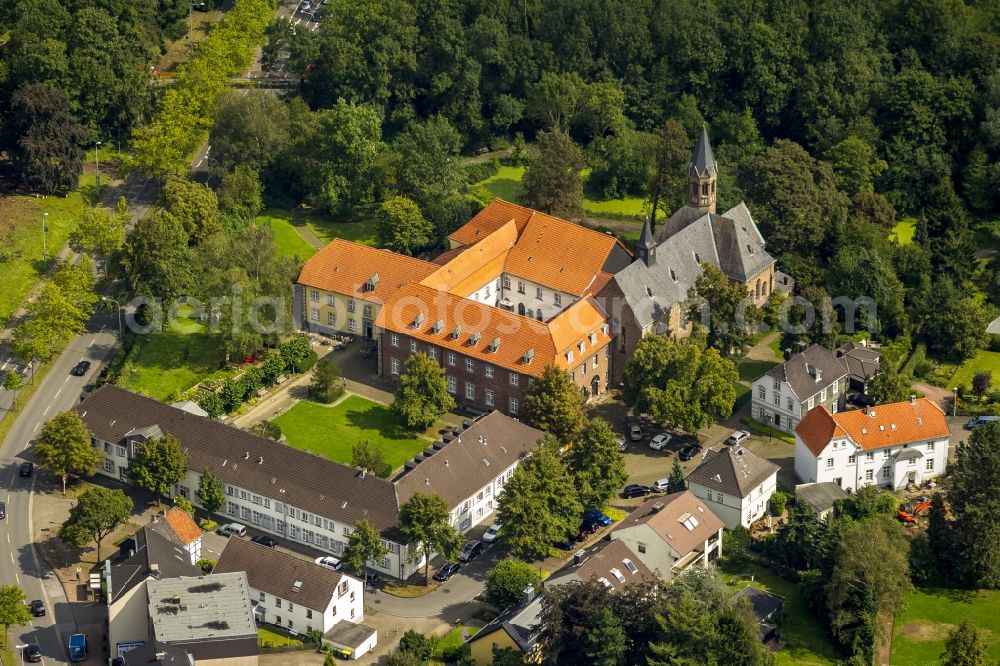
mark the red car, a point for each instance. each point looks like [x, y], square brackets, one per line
[250, 359]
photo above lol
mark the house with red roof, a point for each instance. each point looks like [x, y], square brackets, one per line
[888, 445]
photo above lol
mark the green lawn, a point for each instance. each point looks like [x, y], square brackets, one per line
[270, 637]
[808, 642]
[751, 370]
[904, 230]
[984, 361]
[362, 231]
[332, 431]
[164, 365]
[506, 184]
[742, 395]
[288, 241]
[918, 637]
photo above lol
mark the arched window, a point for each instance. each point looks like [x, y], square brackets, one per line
[758, 289]
[704, 189]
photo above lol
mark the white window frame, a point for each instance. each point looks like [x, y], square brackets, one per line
[394, 339]
[394, 366]
[452, 385]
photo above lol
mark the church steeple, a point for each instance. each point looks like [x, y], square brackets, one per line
[645, 249]
[702, 174]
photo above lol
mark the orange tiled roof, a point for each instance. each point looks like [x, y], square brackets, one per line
[517, 333]
[489, 219]
[479, 264]
[344, 267]
[893, 424]
[183, 525]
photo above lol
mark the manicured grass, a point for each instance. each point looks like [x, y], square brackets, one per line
[808, 643]
[775, 346]
[984, 361]
[904, 230]
[268, 637]
[625, 206]
[361, 231]
[506, 184]
[166, 364]
[453, 639]
[767, 430]
[918, 637]
[332, 431]
[288, 241]
[751, 370]
[742, 395]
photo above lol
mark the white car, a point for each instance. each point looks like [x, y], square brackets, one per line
[491, 533]
[659, 442]
[622, 444]
[661, 486]
[635, 432]
[329, 562]
[738, 437]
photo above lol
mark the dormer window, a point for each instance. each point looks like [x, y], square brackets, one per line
[438, 325]
[475, 338]
[418, 321]
[673, 275]
[749, 249]
[372, 283]
[528, 355]
[457, 332]
[495, 345]
[580, 346]
[593, 338]
[569, 355]
[697, 258]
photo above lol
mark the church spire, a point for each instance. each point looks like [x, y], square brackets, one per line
[645, 249]
[702, 173]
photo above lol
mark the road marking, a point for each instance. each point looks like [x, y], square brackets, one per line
[36, 428]
[16, 577]
[46, 410]
[12, 558]
[91, 343]
[57, 393]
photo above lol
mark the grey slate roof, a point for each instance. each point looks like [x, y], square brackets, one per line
[522, 623]
[800, 371]
[734, 470]
[764, 603]
[601, 561]
[276, 573]
[862, 362]
[703, 159]
[150, 549]
[819, 496]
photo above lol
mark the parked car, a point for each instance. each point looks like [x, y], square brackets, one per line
[447, 571]
[27, 468]
[737, 437]
[972, 424]
[80, 369]
[492, 532]
[635, 490]
[77, 647]
[659, 442]
[373, 580]
[38, 608]
[622, 443]
[861, 400]
[328, 561]
[596, 517]
[635, 432]
[470, 551]
[32, 653]
[661, 485]
[568, 543]
[265, 540]
[690, 451]
[3, 510]
[229, 529]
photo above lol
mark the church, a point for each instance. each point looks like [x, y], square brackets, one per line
[648, 295]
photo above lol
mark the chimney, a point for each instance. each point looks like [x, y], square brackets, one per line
[578, 558]
[819, 375]
[528, 594]
[260, 460]
[913, 399]
[656, 507]
[788, 352]
[364, 472]
[154, 570]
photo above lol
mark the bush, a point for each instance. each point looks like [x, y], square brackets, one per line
[209, 525]
[922, 368]
[305, 364]
[778, 502]
[205, 565]
[482, 171]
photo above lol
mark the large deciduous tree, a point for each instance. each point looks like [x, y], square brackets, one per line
[13, 609]
[401, 227]
[425, 524]
[598, 466]
[366, 456]
[194, 205]
[429, 169]
[887, 385]
[326, 385]
[64, 447]
[46, 140]
[422, 396]
[508, 580]
[725, 308]
[964, 646]
[211, 492]
[553, 403]
[552, 182]
[158, 465]
[96, 514]
[251, 128]
[666, 183]
[155, 258]
[13, 382]
[364, 547]
[101, 232]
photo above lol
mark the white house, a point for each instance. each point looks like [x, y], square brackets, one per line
[670, 533]
[736, 483]
[784, 394]
[888, 445]
[296, 594]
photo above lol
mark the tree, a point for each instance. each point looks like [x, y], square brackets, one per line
[184, 505]
[96, 514]
[964, 646]
[241, 195]
[552, 182]
[887, 385]
[158, 465]
[868, 502]
[326, 385]
[34, 340]
[981, 382]
[13, 382]
[194, 205]
[64, 447]
[602, 109]
[425, 525]
[429, 168]
[366, 456]
[508, 580]
[401, 226]
[155, 259]
[738, 637]
[46, 140]
[604, 644]
[556, 99]
[855, 165]
[100, 231]
[211, 492]
[553, 403]
[620, 165]
[732, 319]
[345, 141]
[666, 184]
[538, 506]
[681, 384]
[955, 322]
[364, 546]
[675, 482]
[251, 127]
[598, 466]
[422, 396]
[267, 429]
[13, 609]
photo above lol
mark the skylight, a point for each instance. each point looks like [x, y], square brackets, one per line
[606, 582]
[630, 565]
[617, 573]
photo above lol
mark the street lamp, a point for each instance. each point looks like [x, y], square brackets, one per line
[45, 227]
[770, 422]
[20, 650]
[954, 403]
[108, 299]
[97, 162]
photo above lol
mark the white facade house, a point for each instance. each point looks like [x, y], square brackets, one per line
[671, 533]
[889, 445]
[784, 394]
[736, 483]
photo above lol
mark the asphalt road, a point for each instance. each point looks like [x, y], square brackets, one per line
[19, 562]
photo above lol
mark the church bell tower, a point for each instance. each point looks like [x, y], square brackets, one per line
[702, 174]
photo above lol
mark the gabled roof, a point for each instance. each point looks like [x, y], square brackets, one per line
[703, 159]
[488, 220]
[280, 574]
[862, 362]
[523, 623]
[477, 265]
[470, 461]
[346, 268]
[611, 562]
[734, 470]
[894, 424]
[150, 551]
[178, 526]
[800, 371]
[666, 516]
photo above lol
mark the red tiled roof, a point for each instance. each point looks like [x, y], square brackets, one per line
[877, 427]
[183, 525]
[344, 267]
[489, 219]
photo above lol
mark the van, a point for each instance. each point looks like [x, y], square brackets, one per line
[229, 529]
[980, 420]
[77, 647]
